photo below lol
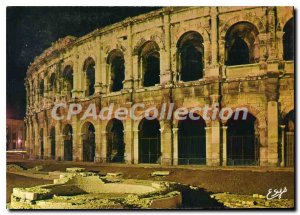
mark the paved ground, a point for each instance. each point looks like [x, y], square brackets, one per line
[240, 180]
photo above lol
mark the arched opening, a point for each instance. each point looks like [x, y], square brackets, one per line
[242, 45]
[88, 141]
[52, 142]
[289, 146]
[68, 80]
[242, 141]
[149, 141]
[68, 143]
[190, 51]
[52, 82]
[89, 69]
[288, 40]
[116, 66]
[150, 64]
[191, 141]
[42, 143]
[115, 141]
[41, 88]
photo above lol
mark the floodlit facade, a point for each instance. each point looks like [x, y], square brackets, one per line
[190, 56]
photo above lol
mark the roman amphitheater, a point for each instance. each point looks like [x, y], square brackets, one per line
[190, 56]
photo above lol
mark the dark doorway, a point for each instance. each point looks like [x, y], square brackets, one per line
[89, 68]
[190, 48]
[242, 141]
[150, 58]
[52, 139]
[289, 148]
[288, 40]
[149, 141]
[117, 70]
[238, 53]
[191, 141]
[115, 141]
[241, 44]
[89, 145]
[68, 143]
[42, 143]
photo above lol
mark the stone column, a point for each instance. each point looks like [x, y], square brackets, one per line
[128, 82]
[135, 146]
[175, 146]
[166, 143]
[59, 145]
[135, 69]
[46, 142]
[104, 147]
[208, 131]
[36, 140]
[272, 51]
[272, 114]
[215, 143]
[98, 141]
[282, 145]
[279, 36]
[98, 67]
[165, 73]
[214, 35]
[75, 93]
[224, 148]
[128, 139]
[76, 140]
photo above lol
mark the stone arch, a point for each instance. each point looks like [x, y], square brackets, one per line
[146, 38]
[90, 74]
[258, 114]
[116, 69]
[88, 141]
[67, 76]
[190, 56]
[149, 141]
[149, 63]
[241, 44]
[200, 30]
[192, 140]
[251, 18]
[68, 142]
[115, 140]
[288, 39]
[243, 142]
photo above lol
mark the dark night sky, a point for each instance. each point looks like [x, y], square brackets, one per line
[30, 30]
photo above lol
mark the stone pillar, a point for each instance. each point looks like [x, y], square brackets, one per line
[59, 145]
[128, 82]
[214, 35]
[98, 67]
[128, 139]
[36, 140]
[282, 146]
[272, 133]
[279, 36]
[263, 147]
[75, 91]
[166, 143]
[46, 142]
[224, 147]
[208, 131]
[76, 140]
[215, 143]
[103, 156]
[135, 69]
[165, 73]
[135, 146]
[272, 51]
[175, 146]
[98, 141]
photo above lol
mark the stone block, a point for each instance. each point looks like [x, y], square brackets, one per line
[75, 169]
[160, 173]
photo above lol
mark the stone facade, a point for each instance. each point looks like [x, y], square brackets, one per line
[264, 83]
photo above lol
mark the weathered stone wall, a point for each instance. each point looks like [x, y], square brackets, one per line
[264, 87]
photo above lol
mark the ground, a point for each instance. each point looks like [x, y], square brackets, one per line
[238, 181]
